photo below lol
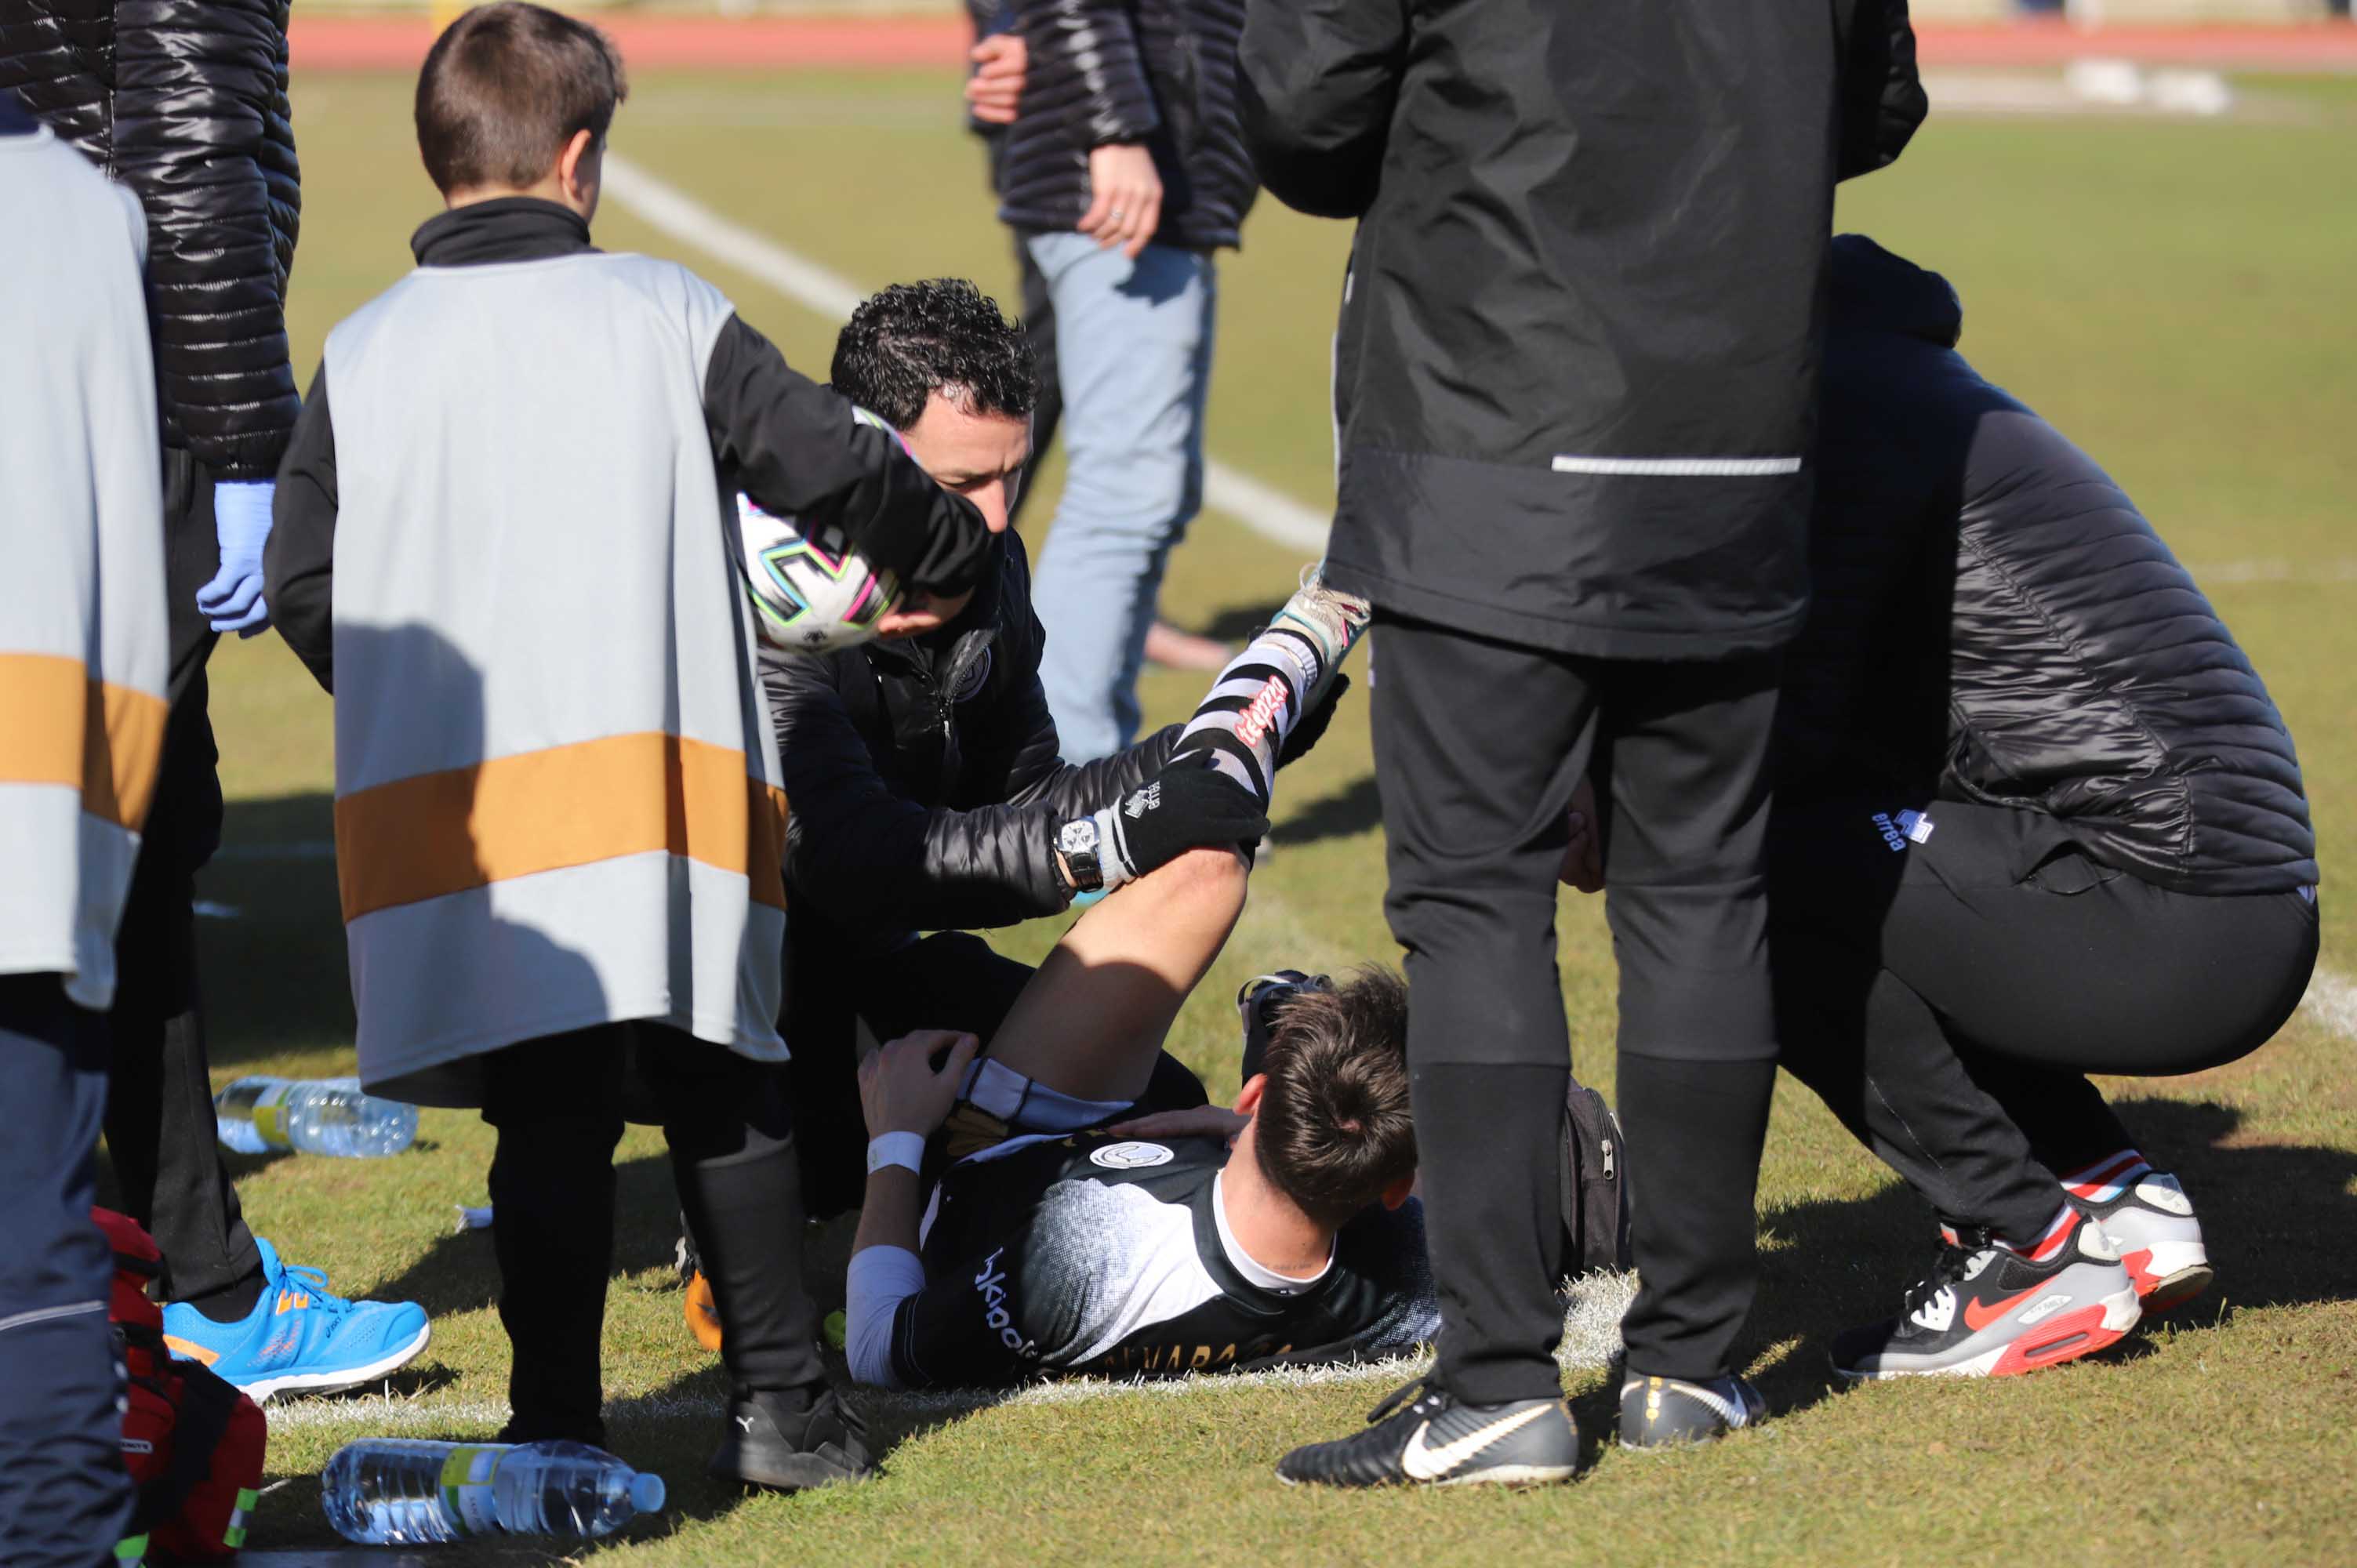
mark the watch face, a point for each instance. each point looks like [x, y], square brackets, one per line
[1077, 837]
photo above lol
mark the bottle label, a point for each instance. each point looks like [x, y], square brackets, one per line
[467, 1477]
[270, 1116]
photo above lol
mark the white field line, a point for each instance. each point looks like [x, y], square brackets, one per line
[1591, 1337]
[2332, 1001]
[1274, 516]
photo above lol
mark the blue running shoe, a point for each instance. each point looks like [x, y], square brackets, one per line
[298, 1339]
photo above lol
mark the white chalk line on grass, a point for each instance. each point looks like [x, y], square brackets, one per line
[2332, 1001]
[1591, 1337]
[1272, 514]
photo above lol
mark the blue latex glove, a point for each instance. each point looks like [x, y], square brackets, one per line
[232, 600]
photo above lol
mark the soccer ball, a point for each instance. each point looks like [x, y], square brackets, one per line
[811, 594]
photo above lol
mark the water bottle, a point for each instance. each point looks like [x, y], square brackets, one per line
[399, 1491]
[330, 1116]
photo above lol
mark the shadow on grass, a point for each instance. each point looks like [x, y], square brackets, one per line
[275, 976]
[1352, 811]
[2271, 1213]
[1238, 622]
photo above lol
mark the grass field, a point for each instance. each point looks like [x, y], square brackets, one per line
[2176, 295]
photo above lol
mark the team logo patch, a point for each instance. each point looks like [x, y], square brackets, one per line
[1130, 1156]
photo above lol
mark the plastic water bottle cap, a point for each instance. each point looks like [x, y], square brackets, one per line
[646, 1493]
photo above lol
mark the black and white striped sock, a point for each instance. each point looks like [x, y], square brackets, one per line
[1254, 705]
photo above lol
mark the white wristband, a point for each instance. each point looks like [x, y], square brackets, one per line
[905, 1149]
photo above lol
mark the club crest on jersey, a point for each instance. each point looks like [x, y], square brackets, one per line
[1130, 1156]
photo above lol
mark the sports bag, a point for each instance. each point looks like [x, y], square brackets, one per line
[193, 1444]
[1593, 1179]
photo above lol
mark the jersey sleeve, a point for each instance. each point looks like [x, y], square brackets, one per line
[962, 1330]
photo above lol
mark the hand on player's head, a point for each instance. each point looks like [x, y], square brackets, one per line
[901, 1089]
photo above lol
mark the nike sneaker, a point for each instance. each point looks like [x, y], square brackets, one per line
[1331, 619]
[2150, 1220]
[1671, 1412]
[791, 1440]
[1420, 1435]
[299, 1338]
[1988, 1311]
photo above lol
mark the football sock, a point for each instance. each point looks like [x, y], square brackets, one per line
[1253, 704]
[2046, 1243]
[2106, 1179]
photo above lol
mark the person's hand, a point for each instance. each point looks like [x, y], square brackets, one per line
[920, 613]
[1583, 857]
[1201, 1121]
[1126, 198]
[1312, 725]
[901, 1091]
[1189, 806]
[995, 88]
[232, 601]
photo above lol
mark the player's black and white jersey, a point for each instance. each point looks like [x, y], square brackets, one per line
[1095, 1254]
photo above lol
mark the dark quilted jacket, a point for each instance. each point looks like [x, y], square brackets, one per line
[185, 102]
[1162, 73]
[1994, 621]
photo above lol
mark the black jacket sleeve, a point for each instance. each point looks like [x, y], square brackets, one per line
[298, 563]
[201, 135]
[1087, 70]
[860, 856]
[794, 447]
[1882, 96]
[1317, 81]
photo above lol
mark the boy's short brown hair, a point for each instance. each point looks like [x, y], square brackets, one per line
[505, 88]
[1334, 1128]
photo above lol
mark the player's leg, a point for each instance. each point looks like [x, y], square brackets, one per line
[1090, 1023]
[1682, 785]
[556, 1103]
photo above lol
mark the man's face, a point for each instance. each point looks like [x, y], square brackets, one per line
[979, 456]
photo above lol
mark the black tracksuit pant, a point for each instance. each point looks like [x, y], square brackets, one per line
[1479, 745]
[65, 1498]
[1947, 997]
[160, 1132]
[559, 1103]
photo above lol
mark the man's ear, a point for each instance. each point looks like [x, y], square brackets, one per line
[569, 170]
[1399, 1191]
[1249, 1097]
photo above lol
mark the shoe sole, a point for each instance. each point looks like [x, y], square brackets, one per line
[1492, 1476]
[800, 1473]
[2096, 1326]
[269, 1389]
[2169, 1273]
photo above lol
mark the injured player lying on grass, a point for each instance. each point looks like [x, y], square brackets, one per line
[1062, 1226]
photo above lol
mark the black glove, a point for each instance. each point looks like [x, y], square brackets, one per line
[1312, 725]
[1181, 808]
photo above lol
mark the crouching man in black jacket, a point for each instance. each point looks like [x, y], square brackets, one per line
[2036, 817]
[926, 790]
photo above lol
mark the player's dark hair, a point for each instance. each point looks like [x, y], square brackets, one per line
[505, 88]
[941, 335]
[1334, 1128]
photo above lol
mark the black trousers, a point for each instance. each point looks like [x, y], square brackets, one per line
[159, 1117]
[1947, 997]
[559, 1103]
[65, 1498]
[1478, 747]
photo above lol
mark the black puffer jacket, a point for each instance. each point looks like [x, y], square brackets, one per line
[185, 102]
[1994, 621]
[922, 776]
[1575, 370]
[1161, 72]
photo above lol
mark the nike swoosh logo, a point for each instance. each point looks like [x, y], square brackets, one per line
[1977, 1316]
[1423, 1464]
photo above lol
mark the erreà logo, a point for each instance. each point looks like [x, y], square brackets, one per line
[990, 1285]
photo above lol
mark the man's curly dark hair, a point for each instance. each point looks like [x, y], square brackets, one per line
[941, 335]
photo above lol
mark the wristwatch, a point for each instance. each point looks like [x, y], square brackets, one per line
[1078, 842]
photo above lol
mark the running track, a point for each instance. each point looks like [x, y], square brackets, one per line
[845, 43]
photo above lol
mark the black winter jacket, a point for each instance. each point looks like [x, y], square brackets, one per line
[185, 102]
[923, 776]
[1575, 372]
[1160, 73]
[1996, 622]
